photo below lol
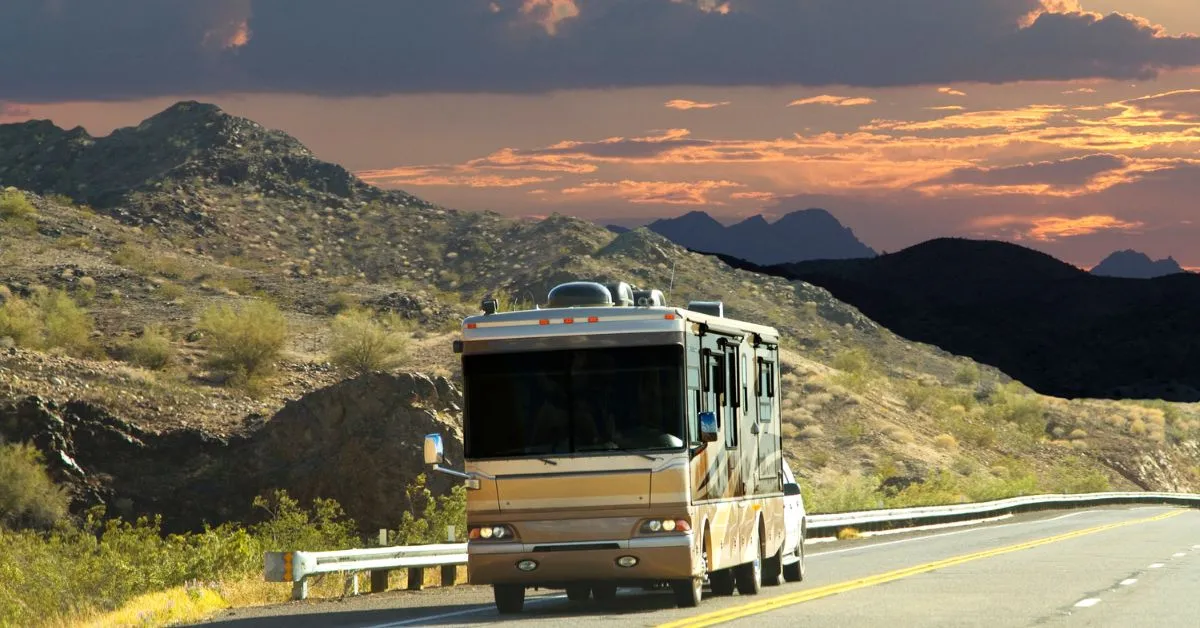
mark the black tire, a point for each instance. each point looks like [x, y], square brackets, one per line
[604, 593]
[749, 575]
[721, 582]
[688, 592]
[772, 569]
[510, 598]
[795, 571]
[578, 592]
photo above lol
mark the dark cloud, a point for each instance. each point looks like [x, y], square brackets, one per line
[1075, 171]
[70, 49]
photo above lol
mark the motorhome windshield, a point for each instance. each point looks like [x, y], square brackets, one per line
[574, 401]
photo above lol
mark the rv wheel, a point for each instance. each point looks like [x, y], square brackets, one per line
[772, 571]
[510, 598]
[749, 575]
[688, 592]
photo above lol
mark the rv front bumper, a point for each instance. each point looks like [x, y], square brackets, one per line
[548, 564]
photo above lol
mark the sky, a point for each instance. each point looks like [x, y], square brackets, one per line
[1070, 126]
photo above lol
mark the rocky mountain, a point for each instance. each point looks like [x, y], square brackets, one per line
[1061, 330]
[166, 236]
[798, 236]
[1136, 265]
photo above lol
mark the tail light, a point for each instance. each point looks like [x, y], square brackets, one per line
[664, 526]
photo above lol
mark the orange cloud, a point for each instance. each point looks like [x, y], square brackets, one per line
[947, 108]
[1081, 90]
[950, 91]
[1030, 117]
[1052, 228]
[836, 101]
[654, 192]
[550, 13]
[707, 6]
[691, 104]
[438, 176]
[754, 196]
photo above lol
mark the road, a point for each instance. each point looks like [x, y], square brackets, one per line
[1117, 566]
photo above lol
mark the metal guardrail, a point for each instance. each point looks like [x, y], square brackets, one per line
[899, 518]
[297, 567]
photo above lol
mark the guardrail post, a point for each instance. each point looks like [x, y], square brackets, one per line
[379, 580]
[449, 575]
[416, 578]
[300, 589]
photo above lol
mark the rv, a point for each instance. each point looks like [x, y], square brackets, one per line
[614, 441]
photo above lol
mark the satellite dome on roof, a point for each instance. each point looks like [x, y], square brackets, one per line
[580, 294]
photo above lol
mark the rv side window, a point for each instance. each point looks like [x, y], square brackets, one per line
[769, 373]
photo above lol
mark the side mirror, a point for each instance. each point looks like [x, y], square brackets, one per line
[434, 453]
[791, 489]
[708, 427]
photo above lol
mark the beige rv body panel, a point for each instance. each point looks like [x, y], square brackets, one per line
[575, 515]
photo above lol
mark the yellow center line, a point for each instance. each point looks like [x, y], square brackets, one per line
[770, 604]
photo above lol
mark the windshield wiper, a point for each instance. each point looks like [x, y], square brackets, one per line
[548, 461]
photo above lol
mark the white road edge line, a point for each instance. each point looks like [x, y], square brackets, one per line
[1156, 565]
[1091, 601]
[469, 611]
[945, 534]
[1178, 554]
[1128, 581]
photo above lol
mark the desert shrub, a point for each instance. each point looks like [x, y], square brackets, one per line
[71, 571]
[1074, 475]
[246, 342]
[855, 360]
[427, 519]
[66, 325]
[148, 262]
[362, 343]
[48, 320]
[290, 527]
[847, 493]
[152, 350]
[341, 302]
[945, 442]
[968, 375]
[509, 301]
[85, 291]
[28, 497]
[21, 321]
[171, 291]
[17, 212]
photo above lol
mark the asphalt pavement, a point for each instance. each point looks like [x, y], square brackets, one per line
[1116, 566]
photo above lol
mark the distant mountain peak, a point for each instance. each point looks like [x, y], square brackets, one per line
[797, 236]
[1132, 264]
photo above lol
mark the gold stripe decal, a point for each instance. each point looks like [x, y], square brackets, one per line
[770, 604]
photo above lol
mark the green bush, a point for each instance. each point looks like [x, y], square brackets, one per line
[21, 321]
[49, 320]
[244, 343]
[46, 577]
[152, 350]
[17, 212]
[428, 517]
[363, 344]
[67, 326]
[28, 497]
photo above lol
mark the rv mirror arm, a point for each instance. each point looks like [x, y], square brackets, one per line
[469, 480]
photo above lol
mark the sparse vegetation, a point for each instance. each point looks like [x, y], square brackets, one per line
[28, 497]
[246, 342]
[363, 343]
[68, 572]
[152, 349]
[16, 212]
[50, 320]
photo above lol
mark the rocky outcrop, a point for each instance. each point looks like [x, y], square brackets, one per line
[358, 442]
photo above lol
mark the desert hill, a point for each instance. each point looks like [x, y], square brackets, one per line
[862, 405]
